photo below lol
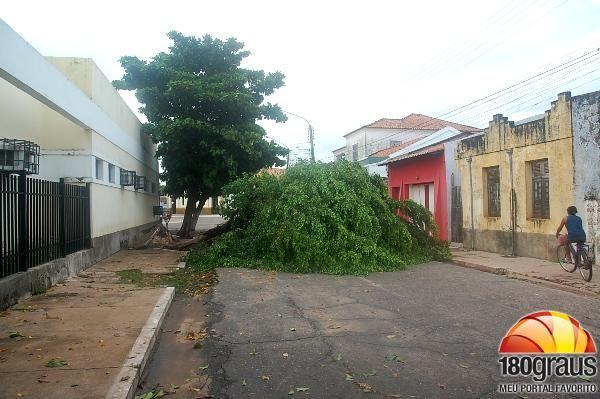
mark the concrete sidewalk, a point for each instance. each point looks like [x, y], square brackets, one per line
[535, 270]
[73, 340]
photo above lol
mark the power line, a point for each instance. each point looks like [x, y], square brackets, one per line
[523, 83]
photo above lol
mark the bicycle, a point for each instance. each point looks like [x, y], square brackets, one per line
[581, 257]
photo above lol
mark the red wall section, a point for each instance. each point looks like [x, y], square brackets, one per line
[429, 168]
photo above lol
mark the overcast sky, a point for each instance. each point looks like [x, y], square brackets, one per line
[349, 63]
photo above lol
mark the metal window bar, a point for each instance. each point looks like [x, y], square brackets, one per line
[493, 193]
[40, 221]
[540, 189]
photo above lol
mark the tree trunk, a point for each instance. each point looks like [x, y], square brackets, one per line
[187, 228]
[198, 211]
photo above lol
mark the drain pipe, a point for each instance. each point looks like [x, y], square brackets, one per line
[512, 203]
[470, 161]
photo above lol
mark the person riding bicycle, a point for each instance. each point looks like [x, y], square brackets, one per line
[575, 232]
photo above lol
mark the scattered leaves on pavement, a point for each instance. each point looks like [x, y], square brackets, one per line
[56, 363]
[151, 394]
[365, 387]
[394, 357]
[196, 335]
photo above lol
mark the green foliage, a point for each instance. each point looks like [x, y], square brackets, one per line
[328, 218]
[202, 108]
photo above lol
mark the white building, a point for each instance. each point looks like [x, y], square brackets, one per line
[86, 133]
[368, 144]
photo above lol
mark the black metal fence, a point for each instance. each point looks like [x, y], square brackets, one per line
[40, 221]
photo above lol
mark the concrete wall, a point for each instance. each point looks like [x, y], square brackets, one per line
[586, 154]
[453, 178]
[38, 279]
[551, 138]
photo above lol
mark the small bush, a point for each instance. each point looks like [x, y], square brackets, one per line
[328, 218]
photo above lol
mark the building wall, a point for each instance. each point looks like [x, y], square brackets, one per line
[423, 169]
[370, 140]
[70, 151]
[586, 154]
[549, 137]
[453, 178]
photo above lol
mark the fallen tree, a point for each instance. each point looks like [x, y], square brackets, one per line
[329, 218]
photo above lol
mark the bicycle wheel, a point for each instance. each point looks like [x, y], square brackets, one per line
[560, 255]
[585, 265]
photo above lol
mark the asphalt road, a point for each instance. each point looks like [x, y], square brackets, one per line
[432, 331]
[205, 222]
[429, 332]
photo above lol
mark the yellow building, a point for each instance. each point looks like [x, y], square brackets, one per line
[519, 178]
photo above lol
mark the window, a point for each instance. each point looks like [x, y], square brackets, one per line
[540, 189]
[111, 173]
[492, 178]
[355, 152]
[99, 169]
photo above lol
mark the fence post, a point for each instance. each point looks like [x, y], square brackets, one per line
[23, 223]
[62, 247]
[88, 216]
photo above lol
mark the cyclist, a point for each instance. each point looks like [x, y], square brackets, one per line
[575, 232]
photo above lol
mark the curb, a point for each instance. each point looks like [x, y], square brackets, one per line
[125, 383]
[523, 277]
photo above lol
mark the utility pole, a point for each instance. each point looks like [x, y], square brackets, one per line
[311, 139]
[311, 134]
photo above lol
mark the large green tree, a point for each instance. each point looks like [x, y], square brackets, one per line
[202, 108]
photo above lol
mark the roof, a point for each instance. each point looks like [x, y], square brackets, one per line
[417, 122]
[387, 151]
[430, 144]
[427, 150]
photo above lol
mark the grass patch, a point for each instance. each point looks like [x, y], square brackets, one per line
[184, 280]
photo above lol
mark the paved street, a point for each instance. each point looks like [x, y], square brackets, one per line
[205, 222]
[432, 331]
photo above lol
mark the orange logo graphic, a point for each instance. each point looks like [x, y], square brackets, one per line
[547, 332]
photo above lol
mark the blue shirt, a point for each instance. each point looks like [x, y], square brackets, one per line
[575, 228]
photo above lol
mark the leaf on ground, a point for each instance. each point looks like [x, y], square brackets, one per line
[365, 387]
[244, 382]
[464, 366]
[265, 377]
[394, 357]
[201, 368]
[15, 334]
[292, 329]
[56, 363]
[196, 335]
[370, 373]
[151, 395]
[286, 355]
[302, 389]
[349, 377]
[337, 357]
[291, 392]
[390, 336]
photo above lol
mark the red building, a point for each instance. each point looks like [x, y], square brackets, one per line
[422, 171]
[421, 176]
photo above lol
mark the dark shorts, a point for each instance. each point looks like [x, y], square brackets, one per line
[576, 240]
